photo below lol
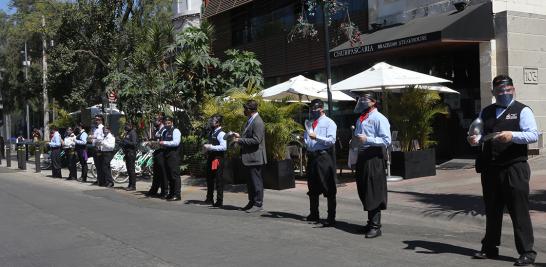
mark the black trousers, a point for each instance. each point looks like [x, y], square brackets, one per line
[172, 171]
[56, 162]
[72, 160]
[321, 180]
[106, 169]
[98, 159]
[255, 185]
[82, 158]
[215, 180]
[130, 157]
[159, 179]
[507, 186]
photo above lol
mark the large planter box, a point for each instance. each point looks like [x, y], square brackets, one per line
[233, 172]
[413, 164]
[279, 175]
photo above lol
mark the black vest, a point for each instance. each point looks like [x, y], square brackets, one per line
[497, 153]
[78, 146]
[168, 136]
[213, 140]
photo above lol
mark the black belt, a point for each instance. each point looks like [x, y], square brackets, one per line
[317, 153]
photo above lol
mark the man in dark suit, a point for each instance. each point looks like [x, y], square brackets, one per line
[252, 142]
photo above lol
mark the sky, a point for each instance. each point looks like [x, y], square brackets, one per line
[4, 6]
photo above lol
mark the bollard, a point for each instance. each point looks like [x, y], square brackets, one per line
[37, 158]
[21, 163]
[8, 155]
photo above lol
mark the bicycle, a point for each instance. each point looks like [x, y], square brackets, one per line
[143, 164]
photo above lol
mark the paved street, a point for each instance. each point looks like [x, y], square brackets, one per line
[52, 222]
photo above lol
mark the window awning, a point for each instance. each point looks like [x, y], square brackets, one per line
[473, 24]
[214, 7]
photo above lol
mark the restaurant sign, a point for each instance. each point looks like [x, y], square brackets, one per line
[364, 49]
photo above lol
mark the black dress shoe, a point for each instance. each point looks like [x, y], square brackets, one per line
[150, 194]
[254, 209]
[218, 204]
[329, 223]
[373, 233]
[248, 206]
[95, 183]
[313, 218]
[525, 260]
[130, 188]
[69, 178]
[110, 185]
[482, 255]
[174, 198]
[208, 201]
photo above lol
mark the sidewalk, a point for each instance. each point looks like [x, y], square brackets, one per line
[452, 195]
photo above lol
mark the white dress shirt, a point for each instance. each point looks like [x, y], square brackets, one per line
[108, 143]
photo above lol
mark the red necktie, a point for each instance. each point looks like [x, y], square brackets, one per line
[315, 124]
[365, 115]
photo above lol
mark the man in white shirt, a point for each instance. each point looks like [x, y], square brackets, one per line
[55, 145]
[70, 150]
[107, 149]
[98, 136]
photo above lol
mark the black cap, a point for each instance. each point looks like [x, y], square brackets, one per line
[502, 80]
[369, 95]
[251, 105]
[316, 103]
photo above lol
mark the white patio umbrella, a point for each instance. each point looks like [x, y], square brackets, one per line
[431, 87]
[384, 76]
[301, 89]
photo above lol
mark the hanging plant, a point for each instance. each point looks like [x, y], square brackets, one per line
[304, 29]
[352, 33]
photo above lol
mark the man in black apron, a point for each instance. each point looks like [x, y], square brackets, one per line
[170, 145]
[81, 150]
[129, 145]
[159, 179]
[216, 149]
[320, 138]
[508, 127]
[373, 134]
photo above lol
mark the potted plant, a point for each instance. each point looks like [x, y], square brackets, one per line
[411, 113]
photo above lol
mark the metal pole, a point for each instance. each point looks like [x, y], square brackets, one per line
[37, 157]
[26, 80]
[327, 58]
[44, 82]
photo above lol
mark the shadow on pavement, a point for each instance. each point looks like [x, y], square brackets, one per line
[440, 248]
[448, 204]
[461, 204]
[340, 225]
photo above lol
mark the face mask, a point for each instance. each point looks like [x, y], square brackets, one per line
[127, 128]
[106, 133]
[503, 100]
[77, 131]
[167, 127]
[362, 105]
[315, 114]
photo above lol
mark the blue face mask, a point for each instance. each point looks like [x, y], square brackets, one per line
[315, 114]
[504, 100]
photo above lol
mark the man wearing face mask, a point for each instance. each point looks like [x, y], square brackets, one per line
[129, 146]
[81, 149]
[253, 155]
[373, 135]
[216, 150]
[98, 136]
[508, 127]
[320, 139]
[170, 144]
[107, 149]
[70, 151]
[159, 179]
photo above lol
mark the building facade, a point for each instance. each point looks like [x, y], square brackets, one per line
[186, 13]
[468, 44]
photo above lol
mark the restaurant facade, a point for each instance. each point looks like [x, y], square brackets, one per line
[467, 43]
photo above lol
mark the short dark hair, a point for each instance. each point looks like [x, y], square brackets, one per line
[317, 103]
[99, 116]
[168, 118]
[502, 79]
[218, 118]
[251, 105]
[161, 116]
